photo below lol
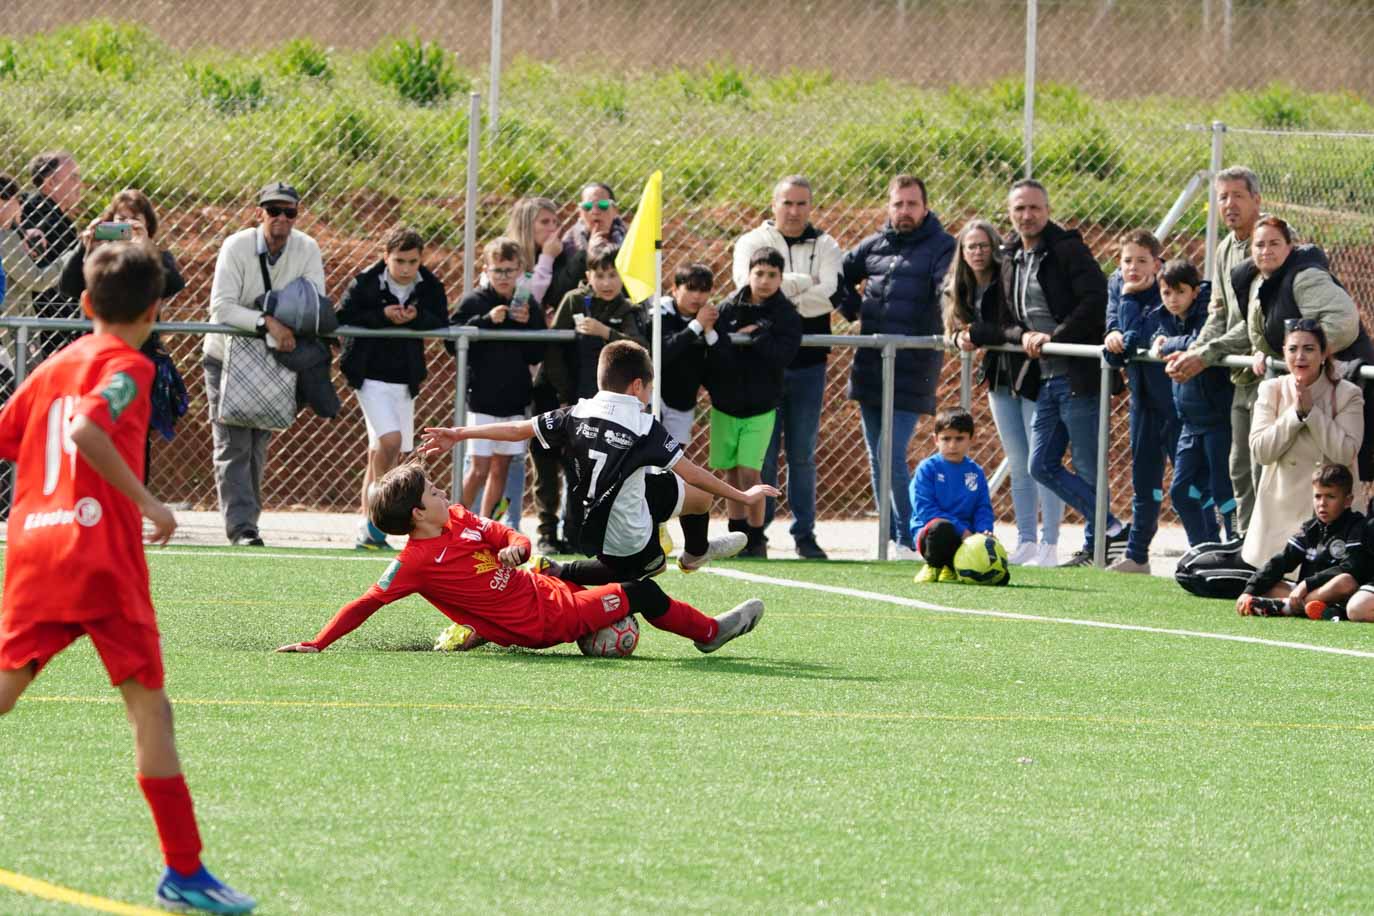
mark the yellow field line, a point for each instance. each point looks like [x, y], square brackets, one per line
[819, 714]
[36, 888]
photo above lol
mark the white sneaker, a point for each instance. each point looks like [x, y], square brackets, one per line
[1024, 554]
[1046, 555]
[896, 551]
[717, 549]
[735, 622]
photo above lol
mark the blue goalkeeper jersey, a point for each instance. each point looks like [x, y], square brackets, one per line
[958, 492]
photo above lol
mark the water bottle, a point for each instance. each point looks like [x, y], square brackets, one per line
[523, 293]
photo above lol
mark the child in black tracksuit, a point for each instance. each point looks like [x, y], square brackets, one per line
[745, 383]
[686, 318]
[1330, 544]
[1201, 488]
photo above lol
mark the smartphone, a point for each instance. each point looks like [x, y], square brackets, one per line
[113, 232]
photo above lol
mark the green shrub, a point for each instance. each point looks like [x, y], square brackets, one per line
[352, 133]
[119, 49]
[9, 59]
[229, 89]
[714, 83]
[302, 57]
[436, 225]
[607, 97]
[419, 72]
[1278, 106]
[795, 85]
[1089, 150]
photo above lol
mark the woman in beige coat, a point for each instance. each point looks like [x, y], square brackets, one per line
[1301, 421]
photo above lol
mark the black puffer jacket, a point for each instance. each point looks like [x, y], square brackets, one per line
[747, 381]
[499, 380]
[389, 359]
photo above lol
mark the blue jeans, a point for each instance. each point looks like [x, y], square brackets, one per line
[1202, 484]
[1014, 416]
[1154, 439]
[903, 427]
[1061, 419]
[799, 422]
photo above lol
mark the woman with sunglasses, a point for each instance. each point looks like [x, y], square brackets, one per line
[1302, 420]
[1283, 281]
[972, 305]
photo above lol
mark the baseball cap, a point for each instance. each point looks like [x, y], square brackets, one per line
[279, 191]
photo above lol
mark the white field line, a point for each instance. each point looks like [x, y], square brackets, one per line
[1031, 618]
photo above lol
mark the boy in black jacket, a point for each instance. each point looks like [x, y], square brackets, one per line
[1329, 545]
[745, 384]
[499, 383]
[687, 317]
[396, 292]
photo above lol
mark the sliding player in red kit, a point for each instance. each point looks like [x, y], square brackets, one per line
[74, 564]
[468, 568]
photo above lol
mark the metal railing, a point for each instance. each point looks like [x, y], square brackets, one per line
[888, 345]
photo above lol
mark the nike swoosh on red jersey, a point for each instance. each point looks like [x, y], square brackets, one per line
[440, 557]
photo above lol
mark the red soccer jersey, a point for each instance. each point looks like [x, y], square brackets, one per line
[459, 574]
[75, 542]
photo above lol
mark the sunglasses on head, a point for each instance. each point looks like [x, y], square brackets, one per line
[598, 204]
[274, 211]
[1301, 324]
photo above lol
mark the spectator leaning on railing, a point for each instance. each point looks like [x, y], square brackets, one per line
[273, 250]
[1225, 334]
[901, 269]
[1058, 294]
[396, 292]
[975, 317]
[811, 272]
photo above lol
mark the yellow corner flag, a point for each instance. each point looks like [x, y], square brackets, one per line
[636, 259]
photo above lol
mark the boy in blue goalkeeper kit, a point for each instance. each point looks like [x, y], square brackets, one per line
[1133, 311]
[1202, 481]
[949, 497]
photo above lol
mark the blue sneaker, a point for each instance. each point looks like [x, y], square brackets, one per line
[370, 537]
[201, 892]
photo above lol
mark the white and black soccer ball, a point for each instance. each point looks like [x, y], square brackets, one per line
[982, 560]
[617, 640]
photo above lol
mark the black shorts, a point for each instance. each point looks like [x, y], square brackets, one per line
[664, 494]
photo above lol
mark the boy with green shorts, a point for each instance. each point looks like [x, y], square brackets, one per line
[745, 383]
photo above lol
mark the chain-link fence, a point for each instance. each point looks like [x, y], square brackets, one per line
[371, 121]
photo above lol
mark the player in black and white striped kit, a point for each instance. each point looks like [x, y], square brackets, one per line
[628, 476]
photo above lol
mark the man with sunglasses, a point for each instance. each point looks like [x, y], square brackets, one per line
[273, 250]
[598, 218]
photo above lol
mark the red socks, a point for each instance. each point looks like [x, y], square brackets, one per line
[175, 819]
[684, 620]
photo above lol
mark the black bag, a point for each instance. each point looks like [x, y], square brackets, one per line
[1214, 570]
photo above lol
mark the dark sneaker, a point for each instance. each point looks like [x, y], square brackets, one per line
[1083, 557]
[547, 545]
[1255, 606]
[735, 622]
[756, 551]
[1116, 544]
[200, 893]
[248, 539]
[808, 549]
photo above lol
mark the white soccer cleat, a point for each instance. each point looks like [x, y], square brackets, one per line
[718, 549]
[735, 622]
[1024, 554]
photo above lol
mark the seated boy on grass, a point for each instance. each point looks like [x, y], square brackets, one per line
[469, 568]
[617, 459]
[1328, 553]
[949, 497]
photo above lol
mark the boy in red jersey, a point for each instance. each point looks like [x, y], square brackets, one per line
[75, 563]
[468, 568]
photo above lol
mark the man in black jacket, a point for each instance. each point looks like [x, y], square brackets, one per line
[47, 226]
[746, 384]
[396, 292]
[1056, 293]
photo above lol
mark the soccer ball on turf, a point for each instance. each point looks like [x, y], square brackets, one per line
[982, 560]
[614, 641]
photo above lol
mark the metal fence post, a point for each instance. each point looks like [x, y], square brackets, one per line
[885, 449]
[460, 413]
[1210, 262]
[1032, 19]
[21, 354]
[470, 197]
[494, 105]
[1103, 486]
[966, 380]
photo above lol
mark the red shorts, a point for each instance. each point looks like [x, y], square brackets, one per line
[128, 649]
[586, 610]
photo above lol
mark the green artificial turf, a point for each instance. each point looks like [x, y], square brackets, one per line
[851, 754]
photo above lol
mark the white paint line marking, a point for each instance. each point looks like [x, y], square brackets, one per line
[1033, 618]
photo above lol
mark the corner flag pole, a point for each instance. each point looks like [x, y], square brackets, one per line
[658, 330]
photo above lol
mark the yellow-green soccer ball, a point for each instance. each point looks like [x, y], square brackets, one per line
[982, 560]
